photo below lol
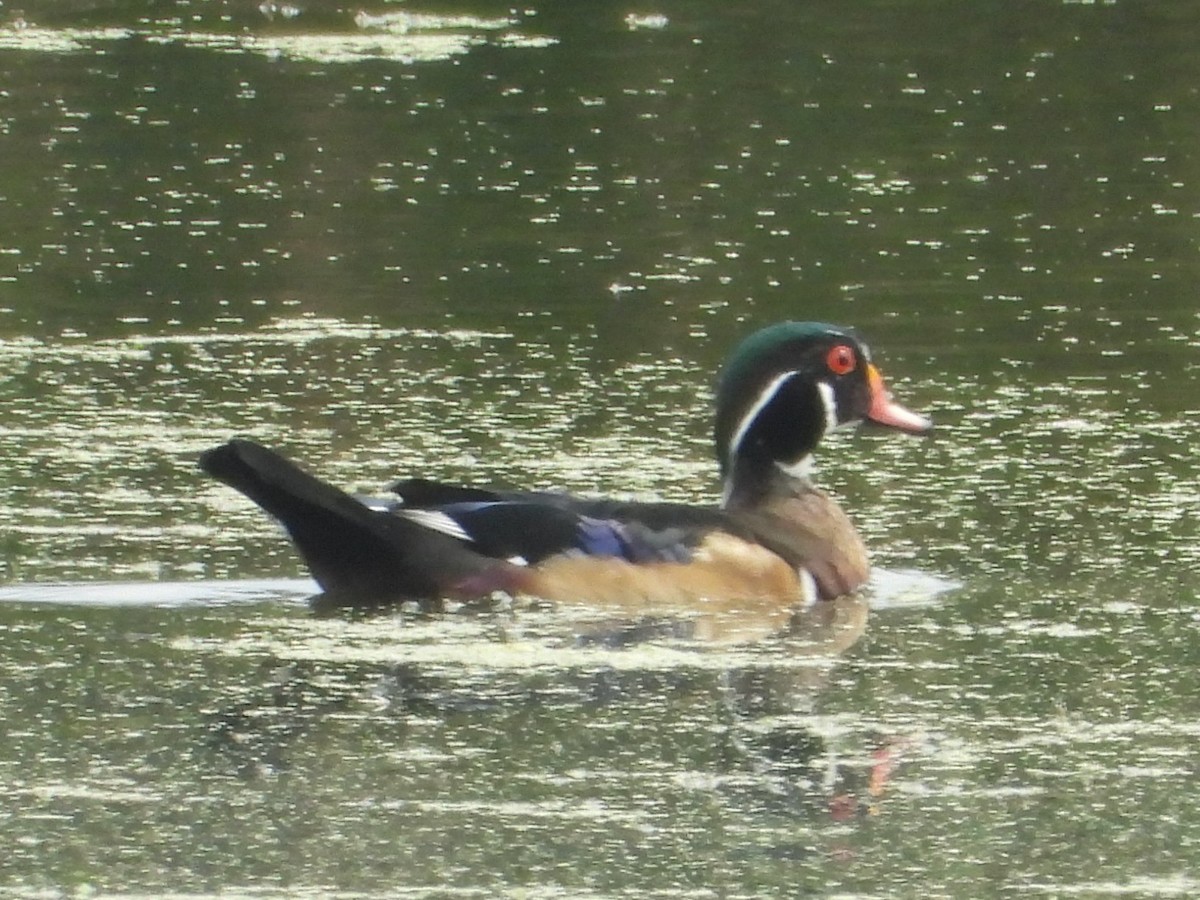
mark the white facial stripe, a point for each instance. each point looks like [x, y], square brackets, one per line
[829, 402]
[767, 395]
[435, 521]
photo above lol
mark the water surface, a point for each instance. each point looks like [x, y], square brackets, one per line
[497, 244]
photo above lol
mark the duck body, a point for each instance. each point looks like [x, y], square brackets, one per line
[775, 542]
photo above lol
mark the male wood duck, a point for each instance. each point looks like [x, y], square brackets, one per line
[775, 541]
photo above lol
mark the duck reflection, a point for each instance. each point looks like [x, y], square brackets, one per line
[747, 714]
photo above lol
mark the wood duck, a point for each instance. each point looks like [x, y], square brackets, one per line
[774, 543]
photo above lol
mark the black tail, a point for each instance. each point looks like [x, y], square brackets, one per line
[359, 556]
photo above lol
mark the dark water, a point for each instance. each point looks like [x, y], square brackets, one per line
[493, 243]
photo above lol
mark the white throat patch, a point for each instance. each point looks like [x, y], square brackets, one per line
[801, 469]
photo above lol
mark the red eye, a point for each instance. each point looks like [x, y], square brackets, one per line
[840, 360]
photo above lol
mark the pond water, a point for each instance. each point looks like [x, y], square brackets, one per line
[499, 244]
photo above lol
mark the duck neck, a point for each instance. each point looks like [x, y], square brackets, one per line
[751, 483]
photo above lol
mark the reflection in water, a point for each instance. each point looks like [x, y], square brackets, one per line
[222, 729]
[757, 702]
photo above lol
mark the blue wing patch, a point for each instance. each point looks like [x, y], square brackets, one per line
[632, 541]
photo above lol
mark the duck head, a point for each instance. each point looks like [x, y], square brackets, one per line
[782, 390]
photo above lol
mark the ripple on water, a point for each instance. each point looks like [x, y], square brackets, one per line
[401, 37]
